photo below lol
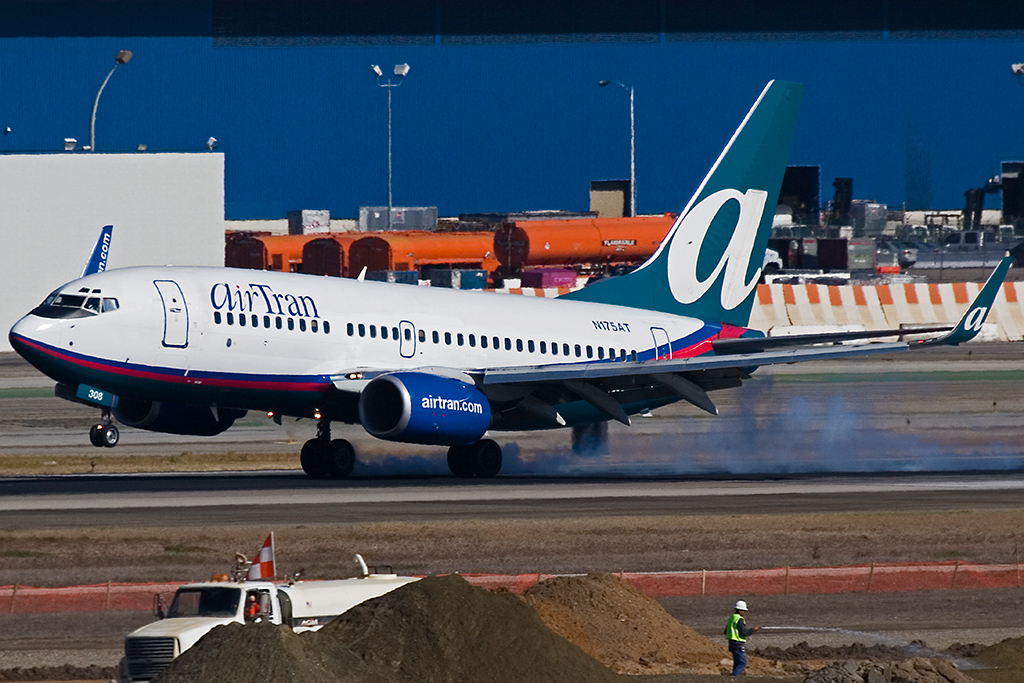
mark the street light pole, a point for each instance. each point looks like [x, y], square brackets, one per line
[123, 57]
[400, 72]
[632, 146]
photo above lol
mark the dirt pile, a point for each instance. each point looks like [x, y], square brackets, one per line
[916, 670]
[438, 630]
[59, 673]
[877, 652]
[1006, 654]
[618, 625]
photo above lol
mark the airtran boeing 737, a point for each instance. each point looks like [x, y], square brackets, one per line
[189, 350]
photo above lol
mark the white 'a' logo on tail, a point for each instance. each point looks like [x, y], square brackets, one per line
[684, 249]
[975, 320]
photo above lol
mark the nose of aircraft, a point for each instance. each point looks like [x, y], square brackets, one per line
[32, 334]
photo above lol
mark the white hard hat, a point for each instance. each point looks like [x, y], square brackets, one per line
[740, 605]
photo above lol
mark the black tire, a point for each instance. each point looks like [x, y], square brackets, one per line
[96, 435]
[110, 436]
[339, 459]
[460, 461]
[486, 458]
[312, 459]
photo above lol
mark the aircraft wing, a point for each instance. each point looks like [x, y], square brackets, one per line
[601, 383]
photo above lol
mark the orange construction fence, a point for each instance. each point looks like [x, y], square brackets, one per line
[868, 578]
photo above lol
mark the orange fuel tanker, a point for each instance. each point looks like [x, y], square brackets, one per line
[412, 250]
[574, 241]
[328, 254]
[265, 252]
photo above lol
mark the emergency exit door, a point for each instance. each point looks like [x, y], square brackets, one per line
[175, 314]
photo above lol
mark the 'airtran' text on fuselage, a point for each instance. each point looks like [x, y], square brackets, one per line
[610, 326]
[257, 298]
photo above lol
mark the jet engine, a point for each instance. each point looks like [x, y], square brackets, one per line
[176, 418]
[416, 407]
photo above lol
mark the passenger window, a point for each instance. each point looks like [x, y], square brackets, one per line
[554, 348]
[216, 317]
[241, 319]
[255, 320]
[362, 330]
[313, 325]
[459, 338]
[448, 338]
[529, 345]
[508, 344]
[600, 352]
[373, 331]
[633, 356]
[472, 340]
[350, 328]
[327, 327]
[483, 341]
[622, 354]
[383, 332]
[291, 323]
[266, 321]
[394, 333]
[543, 347]
[579, 351]
[565, 349]
[231, 318]
[302, 324]
[278, 323]
[519, 344]
[495, 343]
[590, 351]
[434, 336]
[422, 335]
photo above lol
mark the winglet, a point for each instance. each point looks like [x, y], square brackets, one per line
[970, 324]
[98, 259]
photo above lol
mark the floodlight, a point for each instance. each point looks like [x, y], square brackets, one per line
[70, 144]
[123, 57]
[603, 83]
[211, 143]
[1018, 69]
[401, 70]
[376, 70]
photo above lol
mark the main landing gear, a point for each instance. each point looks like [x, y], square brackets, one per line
[105, 433]
[323, 458]
[480, 459]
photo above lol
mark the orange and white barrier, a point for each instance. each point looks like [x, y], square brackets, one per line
[871, 578]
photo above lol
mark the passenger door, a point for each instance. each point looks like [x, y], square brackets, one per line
[175, 314]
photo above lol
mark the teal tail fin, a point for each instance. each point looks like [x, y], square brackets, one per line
[708, 265]
[969, 325]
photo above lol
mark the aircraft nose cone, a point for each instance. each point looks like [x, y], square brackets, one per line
[29, 335]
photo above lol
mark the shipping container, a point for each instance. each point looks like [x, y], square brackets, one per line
[402, 277]
[548, 277]
[455, 278]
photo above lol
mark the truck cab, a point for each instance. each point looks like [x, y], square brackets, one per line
[198, 608]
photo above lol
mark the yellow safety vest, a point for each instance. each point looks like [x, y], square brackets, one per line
[732, 631]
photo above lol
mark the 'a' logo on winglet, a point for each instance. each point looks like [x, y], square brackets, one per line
[975, 320]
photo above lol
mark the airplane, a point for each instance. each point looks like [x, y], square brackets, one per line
[188, 350]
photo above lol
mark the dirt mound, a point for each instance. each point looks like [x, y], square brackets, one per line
[1006, 654]
[264, 653]
[441, 629]
[618, 625]
[875, 652]
[437, 630]
[916, 670]
[59, 673]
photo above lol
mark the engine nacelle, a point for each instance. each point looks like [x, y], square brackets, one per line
[415, 407]
[175, 418]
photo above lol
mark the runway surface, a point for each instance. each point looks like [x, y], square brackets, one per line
[284, 497]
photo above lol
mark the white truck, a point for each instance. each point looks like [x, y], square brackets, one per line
[197, 608]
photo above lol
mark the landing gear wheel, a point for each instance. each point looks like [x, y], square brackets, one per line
[312, 459]
[339, 459]
[486, 458]
[96, 435]
[460, 461]
[110, 436]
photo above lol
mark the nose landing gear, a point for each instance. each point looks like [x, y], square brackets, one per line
[322, 457]
[104, 434]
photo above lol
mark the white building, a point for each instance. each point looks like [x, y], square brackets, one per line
[166, 209]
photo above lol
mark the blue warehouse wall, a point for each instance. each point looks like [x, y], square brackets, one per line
[501, 110]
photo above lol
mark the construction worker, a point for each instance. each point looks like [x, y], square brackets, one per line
[737, 632]
[252, 608]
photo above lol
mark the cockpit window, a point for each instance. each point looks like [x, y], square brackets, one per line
[61, 305]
